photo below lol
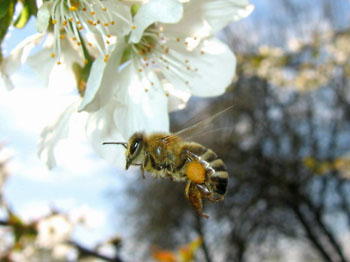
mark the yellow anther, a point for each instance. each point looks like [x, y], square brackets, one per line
[188, 68]
[77, 22]
[80, 28]
[98, 21]
[73, 8]
[79, 43]
[166, 94]
[61, 37]
[140, 70]
[52, 55]
[104, 9]
[71, 19]
[167, 50]
[91, 22]
[108, 35]
[105, 24]
[74, 38]
[202, 52]
[112, 22]
[64, 23]
[106, 58]
[84, 9]
[58, 63]
[177, 39]
[89, 44]
[107, 42]
[92, 13]
[54, 21]
[167, 67]
[86, 61]
[133, 27]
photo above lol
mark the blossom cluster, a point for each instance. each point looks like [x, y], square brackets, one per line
[133, 62]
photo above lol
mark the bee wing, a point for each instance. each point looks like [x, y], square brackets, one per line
[196, 129]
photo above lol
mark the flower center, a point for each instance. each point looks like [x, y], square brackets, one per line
[73, 16]
[171, 55]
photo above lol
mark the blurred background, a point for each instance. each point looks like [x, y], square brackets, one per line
[286, 144]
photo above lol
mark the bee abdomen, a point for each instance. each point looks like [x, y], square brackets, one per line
[218, 176]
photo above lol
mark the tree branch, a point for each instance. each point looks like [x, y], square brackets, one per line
[199, 228]
[89, 252]
[311, 235]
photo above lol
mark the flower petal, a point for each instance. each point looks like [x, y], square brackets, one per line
[43, 17]
[17, 57]
[164, 11]
[53, 134]
[209, 70]
[102, 80]
[203, 18]
[140, 110]
[101, 128]
[51, 74]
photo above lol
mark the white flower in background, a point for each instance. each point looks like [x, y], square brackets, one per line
[171, 55]
[10, 64]
[53, 230]
[105, 18]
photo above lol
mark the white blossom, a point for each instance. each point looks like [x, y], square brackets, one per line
[171, 53]
[107, 19]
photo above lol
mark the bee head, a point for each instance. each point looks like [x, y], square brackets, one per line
[134, 149]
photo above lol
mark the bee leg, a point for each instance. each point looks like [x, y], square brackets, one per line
[143, 172]
[204, 190]
[195, 197]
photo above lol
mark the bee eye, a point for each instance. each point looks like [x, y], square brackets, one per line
[134, 146]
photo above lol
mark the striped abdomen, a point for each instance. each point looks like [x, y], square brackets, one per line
[216, 173]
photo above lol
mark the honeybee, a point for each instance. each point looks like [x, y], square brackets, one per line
[174, 156]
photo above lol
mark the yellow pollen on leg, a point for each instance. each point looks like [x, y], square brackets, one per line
[195, 172]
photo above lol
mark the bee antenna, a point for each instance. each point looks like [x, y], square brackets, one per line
[124, 144]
